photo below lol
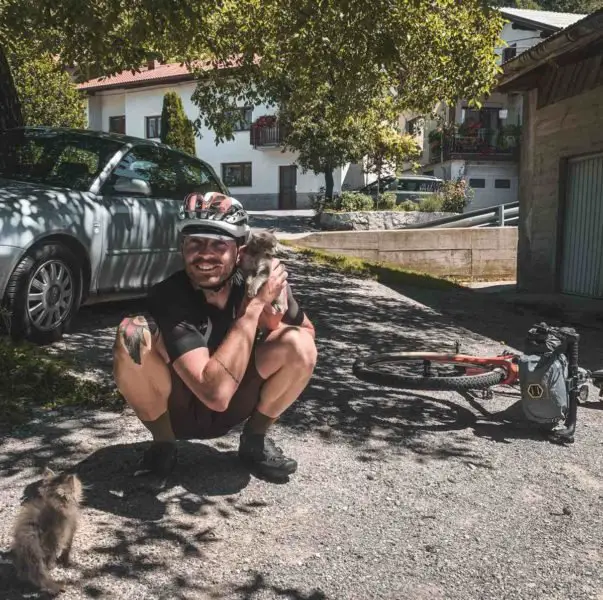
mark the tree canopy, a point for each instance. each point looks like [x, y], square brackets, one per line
[335, 70]
[47, 94]
[100, 37]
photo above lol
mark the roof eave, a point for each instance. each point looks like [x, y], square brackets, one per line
[574, 37]
[136, 84]
[547, 27]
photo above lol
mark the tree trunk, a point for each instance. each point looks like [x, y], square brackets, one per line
[329, 183]
[10, 107]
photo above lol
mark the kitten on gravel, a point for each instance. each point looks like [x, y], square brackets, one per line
[44, 530]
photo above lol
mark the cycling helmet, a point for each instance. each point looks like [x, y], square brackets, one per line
[214, 215]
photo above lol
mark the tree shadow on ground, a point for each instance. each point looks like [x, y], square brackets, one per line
[353, 318]
[258, 585]
[201, 472]
[205, 485]
[500, 317]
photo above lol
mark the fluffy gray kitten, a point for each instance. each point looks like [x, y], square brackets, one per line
[256, 262]
[45, 528]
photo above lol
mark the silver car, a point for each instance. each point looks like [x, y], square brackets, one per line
[86, 216]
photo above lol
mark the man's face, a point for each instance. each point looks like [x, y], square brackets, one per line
[208, 261]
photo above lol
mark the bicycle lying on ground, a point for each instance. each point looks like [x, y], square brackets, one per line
[547, 373]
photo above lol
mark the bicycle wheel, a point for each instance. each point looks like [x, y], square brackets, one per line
[427, 371]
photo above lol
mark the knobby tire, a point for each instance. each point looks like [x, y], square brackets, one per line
[364, 370]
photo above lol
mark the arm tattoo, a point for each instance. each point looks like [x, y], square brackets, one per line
[226, 369]
[132, 334]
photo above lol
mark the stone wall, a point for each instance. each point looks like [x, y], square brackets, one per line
[369, 220]
[482, 253]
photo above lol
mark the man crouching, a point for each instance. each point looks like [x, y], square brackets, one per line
[202, 370]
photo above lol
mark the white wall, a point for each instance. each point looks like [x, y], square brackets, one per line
[523, 39]
[94, 113]
[137, 104]
[113, 105]
[490, 172]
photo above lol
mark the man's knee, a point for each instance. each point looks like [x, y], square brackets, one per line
[133, 340]
[301, 349]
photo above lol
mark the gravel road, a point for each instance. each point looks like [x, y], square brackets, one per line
[399, 495]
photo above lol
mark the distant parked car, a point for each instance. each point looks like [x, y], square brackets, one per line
[86, 216]
[406, 187]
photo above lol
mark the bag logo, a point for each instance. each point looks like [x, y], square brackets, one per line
[535, 390]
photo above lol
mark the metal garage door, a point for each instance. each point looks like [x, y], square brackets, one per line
[582, 262]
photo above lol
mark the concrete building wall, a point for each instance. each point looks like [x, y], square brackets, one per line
[552, 134]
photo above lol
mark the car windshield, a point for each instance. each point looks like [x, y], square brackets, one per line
[55, 158]
[417, 185]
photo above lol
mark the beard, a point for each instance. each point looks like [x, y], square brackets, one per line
[210, 275]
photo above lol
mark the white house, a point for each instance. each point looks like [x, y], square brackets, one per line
[256, 170]
[483, 145]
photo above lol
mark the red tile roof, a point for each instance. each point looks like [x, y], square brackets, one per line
[168, 72]
[158, 74]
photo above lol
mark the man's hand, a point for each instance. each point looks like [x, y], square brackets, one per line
[270, 318]
[271, 290]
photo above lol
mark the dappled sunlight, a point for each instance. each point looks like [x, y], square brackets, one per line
[394, 467]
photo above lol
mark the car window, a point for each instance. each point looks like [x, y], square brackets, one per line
[153, 165]
[75, 168]
[55, 158]
[390, 186]
[196, 176]
[416, 185]
[169, 174]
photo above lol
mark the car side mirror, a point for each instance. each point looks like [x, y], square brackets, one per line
[125, 185]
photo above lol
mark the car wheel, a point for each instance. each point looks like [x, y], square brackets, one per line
[43, 294]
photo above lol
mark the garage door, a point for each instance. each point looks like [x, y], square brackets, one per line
[582, 259]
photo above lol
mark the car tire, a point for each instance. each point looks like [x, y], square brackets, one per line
[43, 294]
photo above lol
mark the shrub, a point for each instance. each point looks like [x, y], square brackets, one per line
[176, 129]
[431, 204]
[352, 201]
[408, 205]
[319, 202]
[455, 195]
[386, 201]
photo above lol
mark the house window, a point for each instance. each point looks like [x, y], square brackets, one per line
[502, 184]
[413, 126]
[236, 174]
[486, 117]
[243, 117]
[153, 127]
[509, 53]
[477, 183]
[117, 124]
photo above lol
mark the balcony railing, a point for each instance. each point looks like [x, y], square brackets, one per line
[482, 143]
[266, 137]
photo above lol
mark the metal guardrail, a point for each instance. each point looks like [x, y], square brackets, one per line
[504, 215]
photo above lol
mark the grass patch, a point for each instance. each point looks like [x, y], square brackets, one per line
[33, 379]
[383, 272]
